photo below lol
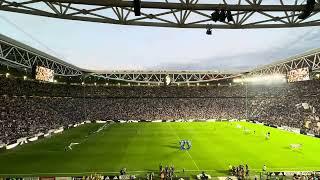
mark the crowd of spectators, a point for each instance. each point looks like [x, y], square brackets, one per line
[25, 116]
[29, 107]
[241, 171]
[306, 177]
[18, 86]
[287, 111]
[166, 172]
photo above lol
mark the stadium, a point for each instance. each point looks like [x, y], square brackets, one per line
[60, 121]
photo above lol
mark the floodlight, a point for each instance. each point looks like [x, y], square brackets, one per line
[308, 9]
[229, 16]
[215, 16]
[222, 17]
[137, 7]
[271, 78]
[237, 80]
[209, 32]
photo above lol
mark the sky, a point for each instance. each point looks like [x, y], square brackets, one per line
[117, 47]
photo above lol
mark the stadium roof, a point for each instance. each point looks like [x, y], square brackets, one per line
[31, 49]
[18, 54]
[173, 13]
[289, 59]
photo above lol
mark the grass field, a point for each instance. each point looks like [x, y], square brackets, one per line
[141, 147]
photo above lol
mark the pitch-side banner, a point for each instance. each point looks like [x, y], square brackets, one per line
[63, 178]
[30, 178]
[47, 178]
[292, 173]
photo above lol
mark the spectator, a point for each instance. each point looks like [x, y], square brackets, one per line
[30, 107]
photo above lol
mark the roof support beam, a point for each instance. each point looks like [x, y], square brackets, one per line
[184, 6]
[183, 14]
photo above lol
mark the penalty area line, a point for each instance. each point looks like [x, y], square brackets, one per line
[186, 150]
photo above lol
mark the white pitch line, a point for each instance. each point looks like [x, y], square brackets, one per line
[186, 150]
[193, 160]
[105, 126]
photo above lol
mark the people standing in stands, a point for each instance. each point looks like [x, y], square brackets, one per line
[247, 170]
[264, 168]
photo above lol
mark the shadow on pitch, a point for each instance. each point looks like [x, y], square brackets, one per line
[172, 146]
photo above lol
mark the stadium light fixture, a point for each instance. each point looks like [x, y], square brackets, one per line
[95, 83]
[308, 9]
[129, 84]
[137, 7]
[55, 81]
[82, 83]
[198, 84]
[24, 77]
[237, 80]
[230, 84]
[209, 31]
[272, 78]
[218, 84]
[229, 16]
[188, 84]
[107, 84]
[138, 84]
[118, 84]
[7, 75]
[215, 16]
[223, 16]
[207, 84]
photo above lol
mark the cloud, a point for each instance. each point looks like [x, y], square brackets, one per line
[123, 47]
[243, 62]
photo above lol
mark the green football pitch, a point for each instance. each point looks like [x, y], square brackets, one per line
[141, 147]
